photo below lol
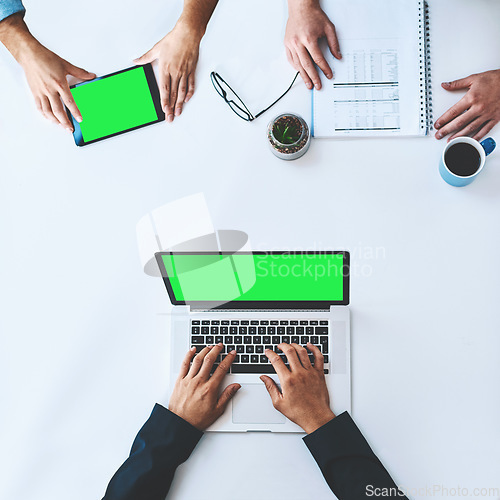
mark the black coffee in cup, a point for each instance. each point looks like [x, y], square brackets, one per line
[462, 159]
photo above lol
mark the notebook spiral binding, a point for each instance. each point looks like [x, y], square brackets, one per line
[426, 120]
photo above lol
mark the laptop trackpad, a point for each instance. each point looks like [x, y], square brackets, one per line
[252, 405]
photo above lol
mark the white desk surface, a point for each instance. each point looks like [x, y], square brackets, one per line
[83, 359]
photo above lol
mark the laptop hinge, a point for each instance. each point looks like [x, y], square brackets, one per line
[253, 311]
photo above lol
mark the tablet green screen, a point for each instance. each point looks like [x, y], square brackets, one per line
[269, 277]
[114, 104]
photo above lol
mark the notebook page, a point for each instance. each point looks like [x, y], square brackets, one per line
[375, 88]
[364, 95]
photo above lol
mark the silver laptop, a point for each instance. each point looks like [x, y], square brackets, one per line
[252, 301]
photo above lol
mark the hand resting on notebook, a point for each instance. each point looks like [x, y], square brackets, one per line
[477, 112]
[306, 25]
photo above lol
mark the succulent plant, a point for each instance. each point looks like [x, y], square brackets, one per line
[285, 133]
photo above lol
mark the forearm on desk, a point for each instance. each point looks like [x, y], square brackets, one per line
[346, 460]
[164, 442]
[297, 5]
[196, 14]
[16, 37]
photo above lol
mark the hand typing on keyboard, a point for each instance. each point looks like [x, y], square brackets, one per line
[195, 395]
[304, 395]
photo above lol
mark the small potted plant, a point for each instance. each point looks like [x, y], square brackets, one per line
[288, 136]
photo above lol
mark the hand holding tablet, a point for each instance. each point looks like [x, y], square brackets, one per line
[116, 103]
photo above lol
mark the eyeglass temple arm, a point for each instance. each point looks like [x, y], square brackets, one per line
[279, 98]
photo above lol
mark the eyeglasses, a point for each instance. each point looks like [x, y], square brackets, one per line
[235, 102]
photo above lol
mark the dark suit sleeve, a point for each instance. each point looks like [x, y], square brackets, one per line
[163, 443]
[347, 462]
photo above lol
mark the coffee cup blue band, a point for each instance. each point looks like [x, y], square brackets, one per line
[488, 145]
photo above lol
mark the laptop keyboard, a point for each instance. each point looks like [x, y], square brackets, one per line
[251, 337]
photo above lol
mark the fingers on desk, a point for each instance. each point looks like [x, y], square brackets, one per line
[454, 119]
[473, 127]
[190, 90]
[319, 60]
[165, 85]
[175, 91]
[181, 93]
[67, 98]
[307, 64]
[333, 41]
[484, 130]
[458, 84]
[294, 61]
[58, 111]
[46, 109]
[172, 96]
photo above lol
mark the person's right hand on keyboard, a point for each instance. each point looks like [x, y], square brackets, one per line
[304, 396]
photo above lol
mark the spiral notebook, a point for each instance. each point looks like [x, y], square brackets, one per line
[382, 85]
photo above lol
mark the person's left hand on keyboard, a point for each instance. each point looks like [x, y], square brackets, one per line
[195, 396]
[304, 395]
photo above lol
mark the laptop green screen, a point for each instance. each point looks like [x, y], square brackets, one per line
[114, 104]
[255, 277]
